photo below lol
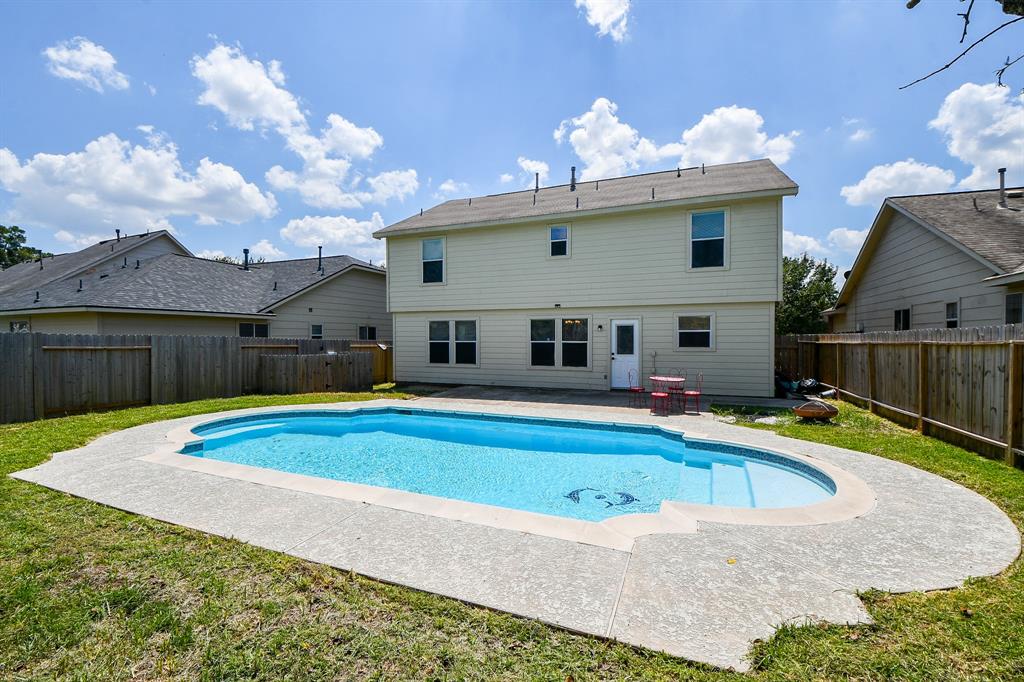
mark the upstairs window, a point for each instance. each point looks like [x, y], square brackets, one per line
[19, 325]
[707, 239]
[255, 330]
[316, 331]
[901, 320]
[695, 331]
[367, 333]
[560, 342]
[443, 335]
[558, 237]
[1014, 308]
[952, 315]
[433, 260]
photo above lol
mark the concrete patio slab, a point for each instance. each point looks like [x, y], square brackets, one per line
[703, 590]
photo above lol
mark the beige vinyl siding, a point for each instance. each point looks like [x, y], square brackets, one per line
[342, 305]
[911, 267]
[628, 259]
[57, 323]
[740, 364]
[176, 325]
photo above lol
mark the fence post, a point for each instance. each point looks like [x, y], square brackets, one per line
[1012, 401]
[38, 375]
[871, 376]
[839, 370]
[922, 395]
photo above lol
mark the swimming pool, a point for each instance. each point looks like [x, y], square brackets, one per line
[581, 470]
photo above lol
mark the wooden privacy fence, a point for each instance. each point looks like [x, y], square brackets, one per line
[316, 373]
[383, 359]
[962, 385]
[43, 375]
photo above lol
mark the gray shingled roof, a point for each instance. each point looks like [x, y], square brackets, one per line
[995, 234]
[625, 192]
[30, 276]
[184, 284]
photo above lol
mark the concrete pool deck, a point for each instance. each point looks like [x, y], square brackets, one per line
[703, 592]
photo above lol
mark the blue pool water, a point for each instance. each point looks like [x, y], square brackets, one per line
[574, 469]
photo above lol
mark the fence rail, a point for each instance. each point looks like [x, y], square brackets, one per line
[44, 375]
[962, 385]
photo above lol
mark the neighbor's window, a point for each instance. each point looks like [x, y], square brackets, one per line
[1014, 308]
[465, 342]
[560, 342]
[19, 325]
[707, 239]
[433, 260]
[254, 330]
[559, 240]
[316, 331]
[901, 320]
[443, 334]
[952, 315]
[695, 331]
[367, 333]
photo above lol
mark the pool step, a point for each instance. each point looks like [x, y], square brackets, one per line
[730, 485]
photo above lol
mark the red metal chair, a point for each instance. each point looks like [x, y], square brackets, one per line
[637, 392]
[675, 391]
[660, 396]
[694, 393]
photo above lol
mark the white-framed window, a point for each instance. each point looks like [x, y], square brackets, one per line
[695, 331]
[19, 326]
[952, 315]
[560, 342]
[367, 333]
[452, 342]
[254, 330]
[901, 319]
[316, 330]
[1014, 308]
[558, 241]
[432, 256]
[708, 231]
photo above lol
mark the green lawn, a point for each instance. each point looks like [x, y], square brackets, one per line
[88, 592]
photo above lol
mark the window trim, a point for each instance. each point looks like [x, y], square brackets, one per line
[910, 319]
[1006, 305]
[367, 327]
[695, 313]
[726, 239]
[558, 343]
[451, 342]
[254, 325]
[444, 261]
[956, 318]
[323, 331]
[568, 242]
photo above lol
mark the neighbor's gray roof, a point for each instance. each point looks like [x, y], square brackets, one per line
[30, 276]
[184, 284]
[995, 234]
[626, 192]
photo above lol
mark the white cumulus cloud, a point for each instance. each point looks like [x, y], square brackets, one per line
[839, 246]
[533, 170]
[112, 183]
[794, 244]
[984, 127]
[85, 62]
[450, 188]
[506, 178]
[265, 249]
[252, 95]
[610, 147]
[610, 17]
[77, 240]
[211, 254]
[897, 179]
[339, 233]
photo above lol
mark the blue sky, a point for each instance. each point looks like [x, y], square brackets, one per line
[279, 127]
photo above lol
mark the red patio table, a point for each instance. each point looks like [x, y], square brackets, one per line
[663, 386]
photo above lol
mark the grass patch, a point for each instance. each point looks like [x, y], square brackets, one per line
[91, 592]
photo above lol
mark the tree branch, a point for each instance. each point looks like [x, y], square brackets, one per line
[1008, 64]
[967, 20]
[961, 55]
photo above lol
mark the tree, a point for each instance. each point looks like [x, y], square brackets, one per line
[13, 249]
[808, 289]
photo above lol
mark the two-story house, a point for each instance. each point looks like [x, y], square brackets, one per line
[578, 285]
[938, 260]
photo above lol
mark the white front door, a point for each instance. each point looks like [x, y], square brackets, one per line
[625, 351]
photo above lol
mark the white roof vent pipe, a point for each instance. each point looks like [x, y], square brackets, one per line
[1002, 188]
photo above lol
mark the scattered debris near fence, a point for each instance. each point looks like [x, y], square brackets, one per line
[962, 385]
[46, 375]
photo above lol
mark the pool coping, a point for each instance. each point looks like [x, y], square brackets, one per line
[852, 497]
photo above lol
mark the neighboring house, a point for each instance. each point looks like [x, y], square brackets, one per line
[574, 286]
[174, 293]
[937, 260]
